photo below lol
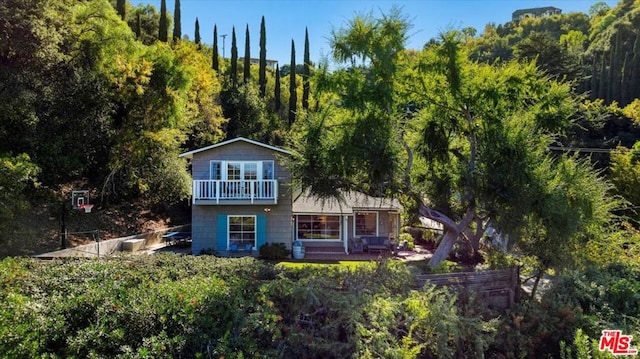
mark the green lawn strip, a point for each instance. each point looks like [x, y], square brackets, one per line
[295, 264]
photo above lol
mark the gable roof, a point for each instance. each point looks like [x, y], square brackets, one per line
[224, 143]
[352, 201]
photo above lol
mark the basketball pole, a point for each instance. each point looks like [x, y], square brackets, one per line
[63, 230]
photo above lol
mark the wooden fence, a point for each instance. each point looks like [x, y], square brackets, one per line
[500, 288]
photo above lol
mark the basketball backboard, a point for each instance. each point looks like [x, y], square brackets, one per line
[79, 198]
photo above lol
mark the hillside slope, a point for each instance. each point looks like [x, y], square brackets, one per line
[38, 230]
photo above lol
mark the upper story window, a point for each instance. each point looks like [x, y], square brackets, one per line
[216, 170]
[242, 170]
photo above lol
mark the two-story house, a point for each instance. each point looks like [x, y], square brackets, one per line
[242, 199]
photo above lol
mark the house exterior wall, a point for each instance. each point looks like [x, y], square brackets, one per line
[205, 226]
[384, 228]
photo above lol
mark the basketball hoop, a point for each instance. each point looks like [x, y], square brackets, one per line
[87, 207]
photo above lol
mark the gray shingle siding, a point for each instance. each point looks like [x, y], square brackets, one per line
[204, 217]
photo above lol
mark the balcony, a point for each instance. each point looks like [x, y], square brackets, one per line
[230, 192]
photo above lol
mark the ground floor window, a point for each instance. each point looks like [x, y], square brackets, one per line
[318, 227]
[242, 232]
[366, 224]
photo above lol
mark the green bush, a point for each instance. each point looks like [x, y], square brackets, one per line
[274, 251]
[406, 237]
[166, 306]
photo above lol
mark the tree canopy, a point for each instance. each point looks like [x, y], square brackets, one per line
[479, 132]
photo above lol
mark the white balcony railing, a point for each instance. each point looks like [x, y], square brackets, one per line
[248, 190]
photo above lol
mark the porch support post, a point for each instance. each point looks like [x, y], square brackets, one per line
[345, 233]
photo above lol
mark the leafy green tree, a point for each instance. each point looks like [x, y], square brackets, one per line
[145, 20]
[490, 47]
[550, 57]
[196, 37]
[215, 56]
[177, 22]
[18, 172]
[293, 95]
[204, 119]
[483, 133]
[262, 76]
[247, 57]
[154, 89]
[52, 85]
[163, 27]
[625, 173]
[247, 113]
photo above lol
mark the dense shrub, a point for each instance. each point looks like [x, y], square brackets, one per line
[167, 306]
[274, 251]
[585, 302]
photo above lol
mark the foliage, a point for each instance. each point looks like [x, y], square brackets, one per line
[604, 298]
[585, 348]
[177, 22]
[183, 306]
[262, 76]
[146, 20]
[619, 246]
[170, 306]
[246, 111]
[163, 27]
[408, 329]
[632, 111]
[481, 131]
[625, 175]
[408, 239]
[293, 94]
[196, 36]
[274, 251]
[16, 174]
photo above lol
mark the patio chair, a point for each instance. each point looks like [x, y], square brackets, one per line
[356, 245]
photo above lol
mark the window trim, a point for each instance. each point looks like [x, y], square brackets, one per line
[224, 173]
[255, 229]
[355, 227]
[297, 223]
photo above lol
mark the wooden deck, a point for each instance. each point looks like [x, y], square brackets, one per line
[337, 253]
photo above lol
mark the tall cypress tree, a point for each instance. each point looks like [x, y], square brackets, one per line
[196, 37]
[247, 57]
[177, 26]
[138, 26]
[214, 58]
[262, 71]
[163, 30]
[234, 58]
[276, 92]
[307, 72]
[635, 70]
[293, 96]
[121, 7]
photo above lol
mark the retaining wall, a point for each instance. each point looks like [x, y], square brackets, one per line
[110, 246]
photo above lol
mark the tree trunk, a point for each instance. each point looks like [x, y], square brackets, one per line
[444, 248]
[452, 231]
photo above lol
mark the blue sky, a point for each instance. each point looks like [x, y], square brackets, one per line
[286, 20]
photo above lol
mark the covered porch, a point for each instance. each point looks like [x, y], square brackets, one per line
[332, 227]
